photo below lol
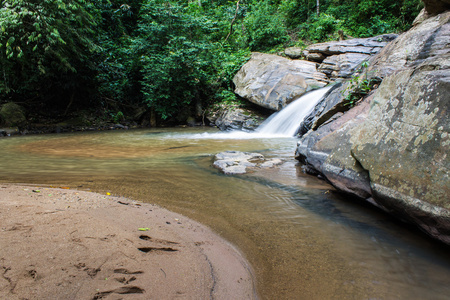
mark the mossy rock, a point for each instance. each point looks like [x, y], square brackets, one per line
[12, 114]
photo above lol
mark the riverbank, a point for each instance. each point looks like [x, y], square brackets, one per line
[68, 244]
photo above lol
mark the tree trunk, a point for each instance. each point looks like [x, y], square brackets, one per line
[318, 9]
[152, 117]
[70, 103]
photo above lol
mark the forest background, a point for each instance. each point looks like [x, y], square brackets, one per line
[171, 59]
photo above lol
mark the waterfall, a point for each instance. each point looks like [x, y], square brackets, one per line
[282, 124]
[287, 121]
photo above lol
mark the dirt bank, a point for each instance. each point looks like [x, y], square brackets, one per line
[66, 244]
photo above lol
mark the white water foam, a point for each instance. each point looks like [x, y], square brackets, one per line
[282, 124]
[287, 121]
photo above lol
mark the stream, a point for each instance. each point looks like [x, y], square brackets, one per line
[303, 239]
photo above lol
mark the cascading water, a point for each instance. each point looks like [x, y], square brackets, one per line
[287, 121]
[282, 124]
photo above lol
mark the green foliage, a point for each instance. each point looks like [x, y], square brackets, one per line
[117, 117]
[167, 55]
[116, 65]
[356, 18]
[174, 54]
[45, 47]
[264, 27]
[319, 28]
[227, 96]
[358, 87]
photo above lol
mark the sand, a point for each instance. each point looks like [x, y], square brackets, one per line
[57, 243]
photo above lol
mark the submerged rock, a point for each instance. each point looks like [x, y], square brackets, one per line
[236, 162]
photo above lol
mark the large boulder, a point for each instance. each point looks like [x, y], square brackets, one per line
[392, 58]
[273, 81]
[426, 41]
[12, 115]
[340, 59]
[404, 145]
[391, 148]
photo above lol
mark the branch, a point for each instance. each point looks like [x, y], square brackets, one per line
[232, 22]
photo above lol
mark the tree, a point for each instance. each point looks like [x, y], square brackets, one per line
[175, 55]
[48, 42]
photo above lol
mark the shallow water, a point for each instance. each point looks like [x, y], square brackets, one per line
[303, 240]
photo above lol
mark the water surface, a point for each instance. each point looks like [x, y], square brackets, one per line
[303, 240]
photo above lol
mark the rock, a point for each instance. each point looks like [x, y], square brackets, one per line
[293, 52]
[404, 145]
[273, 82]
[342, 65]
[12, 114]
[9, 131]
[426, 41]
[332, 103]
[340, 59]
[327, 151]
[391, 149]
[234, 118]
[365, 46]
[317, 57]
[236, 162]
[120, 126]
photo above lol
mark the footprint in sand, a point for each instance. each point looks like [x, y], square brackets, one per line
[157, 249]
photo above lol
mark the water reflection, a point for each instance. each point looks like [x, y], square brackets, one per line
[304, 241]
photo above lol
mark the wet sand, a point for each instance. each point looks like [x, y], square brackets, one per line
[60, 243]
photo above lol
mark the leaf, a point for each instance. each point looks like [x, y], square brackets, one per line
[143, 229]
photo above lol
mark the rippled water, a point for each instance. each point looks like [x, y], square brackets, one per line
[303, 240]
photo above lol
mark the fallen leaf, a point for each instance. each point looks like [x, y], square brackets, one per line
[144, 229]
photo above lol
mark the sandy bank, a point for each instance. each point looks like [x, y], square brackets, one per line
[65, 244]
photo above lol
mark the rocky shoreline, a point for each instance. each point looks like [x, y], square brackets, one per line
[382, 133]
